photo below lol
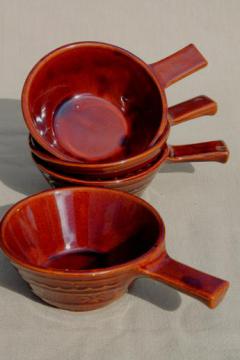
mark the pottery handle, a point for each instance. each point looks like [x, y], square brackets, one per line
[202, 286]
[178, 65]
[191, 109]
[205, 151]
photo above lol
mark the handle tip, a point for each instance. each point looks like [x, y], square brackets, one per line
[216, 150]
[196, 50]
[218, 296]
[209, 105]
[223, 152]
[178, 65]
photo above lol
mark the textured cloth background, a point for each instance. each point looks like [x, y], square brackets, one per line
[199, 202]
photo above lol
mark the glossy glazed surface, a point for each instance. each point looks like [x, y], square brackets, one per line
[215, 150]
[86, 229]
[72, 231]
[85, 93]
[195, 107]
[132, 93]
[178, 65]
[136, 182]
[91, 128]
[99, 170]
[187, 110]
[79, 249]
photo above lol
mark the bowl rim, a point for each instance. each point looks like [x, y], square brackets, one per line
[157, 248]
[124, 180]
[37, 67]
[100, 166]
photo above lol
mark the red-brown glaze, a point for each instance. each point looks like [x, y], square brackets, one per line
[204, 287]
[191, 109]
[124, 83]
[134, 183]
[198, 106]
[79, 293]
[206, 151]
[137, 181]
[103, 170]
[129, 92]
[91, 128]
[178, 65]
[80, 248]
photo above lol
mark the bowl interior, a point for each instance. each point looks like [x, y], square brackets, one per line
[77, 229]
[93, 103]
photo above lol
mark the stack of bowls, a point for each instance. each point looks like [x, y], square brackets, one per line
[98, 116]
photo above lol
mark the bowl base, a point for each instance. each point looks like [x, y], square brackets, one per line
[74, 306]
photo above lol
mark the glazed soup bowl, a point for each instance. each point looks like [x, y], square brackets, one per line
[198, 106]
[137, 181]
[95, 102]
[80, 248]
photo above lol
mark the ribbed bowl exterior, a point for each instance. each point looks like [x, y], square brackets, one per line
[136, 187]
[78, 293]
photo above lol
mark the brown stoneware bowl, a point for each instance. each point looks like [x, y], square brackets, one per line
[95, 102]
[198, 106]
[137, 181]
[80, 248]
